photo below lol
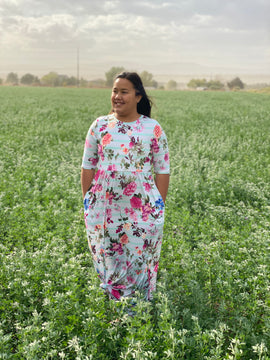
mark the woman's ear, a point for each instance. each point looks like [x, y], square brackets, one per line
[139, 98]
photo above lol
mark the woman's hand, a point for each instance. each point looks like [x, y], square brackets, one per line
[87, 176]
[162, 183]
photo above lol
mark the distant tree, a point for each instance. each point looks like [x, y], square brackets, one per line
[51, 79]
[203, 83]
[97, 83]
[154, 84]
[110, 75]
[62, 80]
[147, 78]
[12, 78]
[83, 82]
[171, 85]
[1, 81]
[71, 81]
[236, 83]
[195, 83]
[215, 85]
[29, 79]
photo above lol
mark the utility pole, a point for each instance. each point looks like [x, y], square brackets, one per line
[78, 66]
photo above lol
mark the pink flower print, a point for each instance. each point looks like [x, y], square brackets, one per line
[127, 226]
[102, 128]
[100, 174]
[116, 294]
[106, 139]
[146, 211]
[109, 197]
[112, 168]
[111, 124]
[157, 131]
[166, 157]
[147, 186]
[100, 152]
[155, 146]
[120, 286]
[125, 150]
[93, 161]
[132, 214]
[156, 267]
[96, 188]
[131, 280]
[109, 212]
[128, 263]
[130, 188]
[87, 144]
[85, 220]
[124, 239]
[109, 215]
[136, 202]
[139, 127]
[131, 144]
[117, 248]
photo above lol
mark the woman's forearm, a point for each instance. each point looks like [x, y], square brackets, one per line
[87, 176]
[162, 183]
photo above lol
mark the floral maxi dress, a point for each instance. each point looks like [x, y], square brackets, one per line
[124, 211]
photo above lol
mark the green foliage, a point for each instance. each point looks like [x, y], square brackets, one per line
[171, 85]
[29, 79]
[215, 85]
[111, 74]
[194, 83]
[12, 78]
[51, 79]
[212, 299]
[236, 83]
[147, 79]
[203, 83]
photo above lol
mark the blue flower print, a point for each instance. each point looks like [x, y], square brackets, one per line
[86, 204]
[159, 203]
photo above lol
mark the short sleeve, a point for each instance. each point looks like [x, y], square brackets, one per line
[90, 154]
[160, 151]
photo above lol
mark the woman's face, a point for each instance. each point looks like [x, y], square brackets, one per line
[124, 99]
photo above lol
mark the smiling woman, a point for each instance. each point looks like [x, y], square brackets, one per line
[123, 201]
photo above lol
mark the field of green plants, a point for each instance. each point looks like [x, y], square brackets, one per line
[213, 292]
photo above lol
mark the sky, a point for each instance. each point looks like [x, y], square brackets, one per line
[171, 37]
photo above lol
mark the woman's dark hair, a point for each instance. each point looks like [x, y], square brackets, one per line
[145, 104]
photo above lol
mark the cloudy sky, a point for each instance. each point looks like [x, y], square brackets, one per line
[162, 37]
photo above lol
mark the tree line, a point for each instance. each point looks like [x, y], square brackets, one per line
[203, 84]
[54, 79]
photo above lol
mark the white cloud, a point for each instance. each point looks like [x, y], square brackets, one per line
[142, 33]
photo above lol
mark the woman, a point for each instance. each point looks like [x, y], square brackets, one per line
[124, 204]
